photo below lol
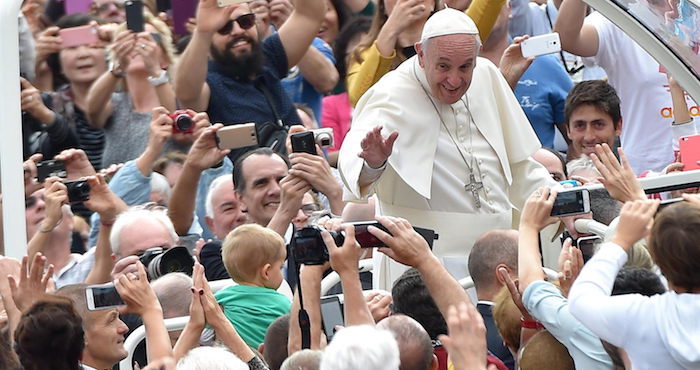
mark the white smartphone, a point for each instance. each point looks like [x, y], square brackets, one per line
[572, 202]
[237, 136]
[102, 297]
[541, 45]
[223, 3]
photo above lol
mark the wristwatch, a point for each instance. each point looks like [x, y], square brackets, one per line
[160, 80]
[116, 70]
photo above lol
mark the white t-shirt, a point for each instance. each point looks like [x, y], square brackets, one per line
[644, 96]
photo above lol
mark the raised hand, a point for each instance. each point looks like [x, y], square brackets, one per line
[570, 265]
[48, 42]
[55, 196]
[537, 210]
[515, 293]
[618, 177]
[77, 164]
[205, 153]
[375, 149]
[405, 13]
[210, 17]
[107, 204]
[379, 304]
[466, 342]
[30, 173]
[343, 259]
[161, 128]
[404, 244]
[148, 49]
[32, 283]
[33, 104]
[280, 10]
[636, 219]
[137, 293]
[513, 64]
[123, 46]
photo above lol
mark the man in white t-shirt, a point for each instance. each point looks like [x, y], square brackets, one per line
[645, 100]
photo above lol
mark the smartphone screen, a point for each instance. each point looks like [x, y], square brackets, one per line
[332, 315]
[572, 202]
[364, 238]
[587, 246]
[102, 297]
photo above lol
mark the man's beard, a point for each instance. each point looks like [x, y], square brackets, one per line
[243, 66]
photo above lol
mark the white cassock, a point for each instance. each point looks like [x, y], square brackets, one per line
[425, 176]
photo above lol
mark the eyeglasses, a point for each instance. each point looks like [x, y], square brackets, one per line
[246, 21]
[310, 208]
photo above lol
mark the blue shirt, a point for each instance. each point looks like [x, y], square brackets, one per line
[547, 305]
[299, 89]
[542, 92]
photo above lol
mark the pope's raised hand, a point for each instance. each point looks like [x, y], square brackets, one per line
[376, 149]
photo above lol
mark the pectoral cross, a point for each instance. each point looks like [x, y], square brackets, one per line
[474, 187]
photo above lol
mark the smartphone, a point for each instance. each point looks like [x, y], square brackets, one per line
[668, 202]
[134, 15]
[587, 246]
[572, 202]
[237, 136]
[76, 36]
[541, 45]
[182, 11]
[223, 3]
[102, 297]
[46, 169]
[332, 315]
[690, 152]
[364, 238]
[304, 142]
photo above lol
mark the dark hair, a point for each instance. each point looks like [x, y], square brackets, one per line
[343, 11]
[637, 280]
[50, 335]
[239, 178]
[355, 26]
[674, 244]
[560, 157]
[412, 298]
[53, 61]
[603, 207]
[275, 350]
[490, 250]
[597, 93]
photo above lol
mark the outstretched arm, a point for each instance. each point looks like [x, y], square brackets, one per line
[300, 29]
[576, 37]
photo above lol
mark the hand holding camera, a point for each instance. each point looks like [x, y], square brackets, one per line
[107, 204]
[31, 182]
[536, 213]
[292, 190]
[405, 244]
[55, 196]
[636, 219]
[205, 152]
[76, 164]
[162, 127]
[48, 42]
[123, 47]
[344, 259]
[33, 104]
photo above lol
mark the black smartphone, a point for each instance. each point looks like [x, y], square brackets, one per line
[46, 169]
[304, 142]
[332, 315]
[587, 246]
[134, 15]
[572, 202]
[78, 191]
[102, 297]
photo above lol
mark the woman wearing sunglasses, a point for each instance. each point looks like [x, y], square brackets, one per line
[136, 82]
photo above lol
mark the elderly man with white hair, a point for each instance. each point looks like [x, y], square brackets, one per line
[455, 152]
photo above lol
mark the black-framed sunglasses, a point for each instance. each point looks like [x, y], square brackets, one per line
[246, 21]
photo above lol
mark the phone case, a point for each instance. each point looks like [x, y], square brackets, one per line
[237, 136]
[541, 45]
[76, 36]
[134, 15]
[690, 152]
[182, 10]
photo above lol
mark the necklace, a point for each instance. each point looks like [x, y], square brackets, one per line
[472, 186]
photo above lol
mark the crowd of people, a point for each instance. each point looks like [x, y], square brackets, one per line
[426, 121]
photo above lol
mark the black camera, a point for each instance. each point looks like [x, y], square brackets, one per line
[159, 262]
[78, 191]
[304, 142]
[45, 169]
[309, 248]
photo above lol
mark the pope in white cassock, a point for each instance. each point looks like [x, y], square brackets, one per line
[457, 155]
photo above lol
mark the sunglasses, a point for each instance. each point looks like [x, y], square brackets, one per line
[246, 21]
[105, 6]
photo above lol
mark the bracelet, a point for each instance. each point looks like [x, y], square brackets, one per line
[52, 228]
[531, 324]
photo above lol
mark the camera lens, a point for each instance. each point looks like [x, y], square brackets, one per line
[175, 259]
[183, 122]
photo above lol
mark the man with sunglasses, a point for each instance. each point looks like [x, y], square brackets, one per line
[240, 83]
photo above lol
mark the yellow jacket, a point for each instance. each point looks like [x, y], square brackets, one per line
[361, 76]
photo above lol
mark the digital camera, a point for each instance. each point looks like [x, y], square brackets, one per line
[182, 122]
[159, 262]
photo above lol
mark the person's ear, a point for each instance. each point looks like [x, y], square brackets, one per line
[209, 221]
[421, 53]
[568, 131]
[239, 198]
[265, 271]
[618, 130]
[261, 348]
[499, 279]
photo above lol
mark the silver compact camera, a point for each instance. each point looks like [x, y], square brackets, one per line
[323, 137]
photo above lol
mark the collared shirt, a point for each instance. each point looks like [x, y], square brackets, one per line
[545, 303]
[76, 270]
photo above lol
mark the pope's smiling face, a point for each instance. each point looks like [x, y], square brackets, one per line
[449, 63]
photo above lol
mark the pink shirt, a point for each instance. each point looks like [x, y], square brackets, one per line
[337, 115]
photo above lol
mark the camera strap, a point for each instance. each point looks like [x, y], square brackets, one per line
[260, 85]
[304, 321]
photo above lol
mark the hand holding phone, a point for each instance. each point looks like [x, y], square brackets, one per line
[571, 202]
[690, 152]
[77, 36]
[332, 315]
[103, 297]
[237, 136]
[304, 142]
